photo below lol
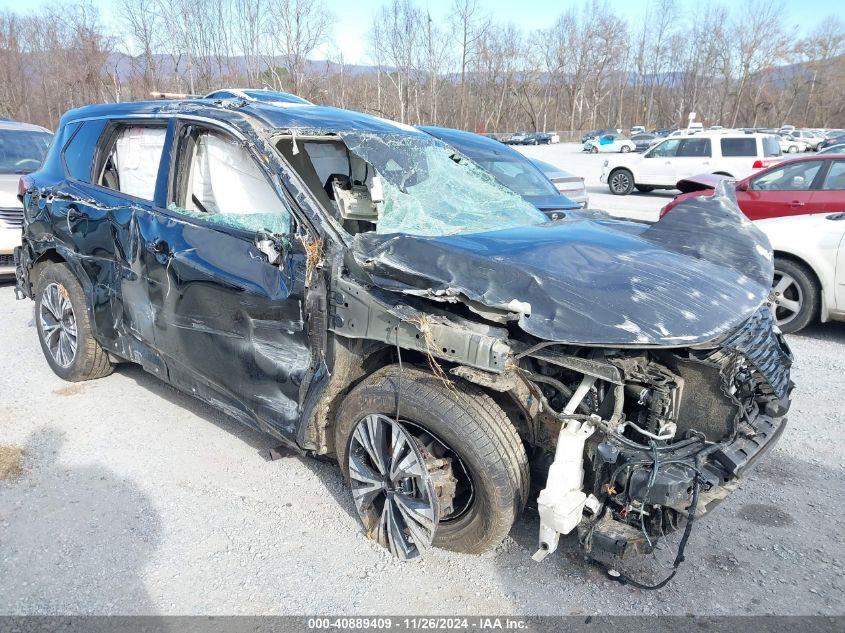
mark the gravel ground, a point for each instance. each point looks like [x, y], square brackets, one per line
[136, 499]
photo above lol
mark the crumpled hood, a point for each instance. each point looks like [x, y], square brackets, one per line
[699, 272]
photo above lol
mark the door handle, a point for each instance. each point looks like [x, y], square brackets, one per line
[796, 203]
[74, 214]
[160, 250]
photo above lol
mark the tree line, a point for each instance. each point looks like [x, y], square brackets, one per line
[734, 65]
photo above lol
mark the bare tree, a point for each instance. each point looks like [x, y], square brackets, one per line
[143, 22]
[469, 24]
[301, 26]
[734, 65]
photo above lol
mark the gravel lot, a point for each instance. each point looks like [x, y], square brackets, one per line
[134, 498]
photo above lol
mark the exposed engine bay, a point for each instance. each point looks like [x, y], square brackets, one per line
[638, 435]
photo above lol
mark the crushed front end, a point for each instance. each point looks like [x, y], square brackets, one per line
[643, 433]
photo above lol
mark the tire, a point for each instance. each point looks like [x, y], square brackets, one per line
[620, 182]
[794, 282]
[625, 149]
[594, 149]
[793, 149]
[58, 292]
[644, 188]
[468, 422]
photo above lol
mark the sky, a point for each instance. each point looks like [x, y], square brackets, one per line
[354, 17]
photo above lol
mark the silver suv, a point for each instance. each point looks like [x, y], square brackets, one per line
[22, 150]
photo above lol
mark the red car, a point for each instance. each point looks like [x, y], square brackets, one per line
[811, 184]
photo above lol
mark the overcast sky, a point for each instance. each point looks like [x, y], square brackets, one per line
[354, 17]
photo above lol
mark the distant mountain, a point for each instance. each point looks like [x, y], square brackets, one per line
[125, 65]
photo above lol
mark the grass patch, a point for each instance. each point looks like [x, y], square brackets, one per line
[11, 459]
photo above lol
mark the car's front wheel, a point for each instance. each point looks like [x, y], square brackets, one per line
[449, 470]
[594, 149]
[793, 149]
[794, 299]
[64, 327]
[620, 182]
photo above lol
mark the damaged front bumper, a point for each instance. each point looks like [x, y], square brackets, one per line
[719, 468]
[627, 479]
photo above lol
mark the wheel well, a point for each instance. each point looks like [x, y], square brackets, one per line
[50, 256]
[365, 362]
[797, 260]
[615, 169]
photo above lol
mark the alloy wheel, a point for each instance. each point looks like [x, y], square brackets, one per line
[392, 487]
[786, 298]
[58, 324]
[620, 181]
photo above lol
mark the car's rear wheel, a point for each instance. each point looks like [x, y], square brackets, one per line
[644, 188]
[450, 469]
[64, 327]
[625, 149]
[620, 182]
[794, 299]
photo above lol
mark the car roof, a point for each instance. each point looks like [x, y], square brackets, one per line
[302, 118]
[252, 94]
[6, 124]
[813, 156]
[549, 168]
[476, 142]
[722, 135]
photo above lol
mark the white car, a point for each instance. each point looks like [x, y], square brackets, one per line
[791, 145]
[811, 137]
[809, 282]
[609, 143]
[22, 149]
[679, 157]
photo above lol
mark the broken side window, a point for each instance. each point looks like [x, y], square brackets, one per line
[219, 181]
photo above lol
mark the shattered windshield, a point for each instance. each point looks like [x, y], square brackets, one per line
[428, 189]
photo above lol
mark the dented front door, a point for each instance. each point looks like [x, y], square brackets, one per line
[228, 323]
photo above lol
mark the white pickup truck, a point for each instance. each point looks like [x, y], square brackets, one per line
[673, 159]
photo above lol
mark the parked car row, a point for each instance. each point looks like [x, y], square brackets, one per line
[531, 138]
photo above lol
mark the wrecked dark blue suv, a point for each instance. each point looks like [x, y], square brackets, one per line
[357, 288]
